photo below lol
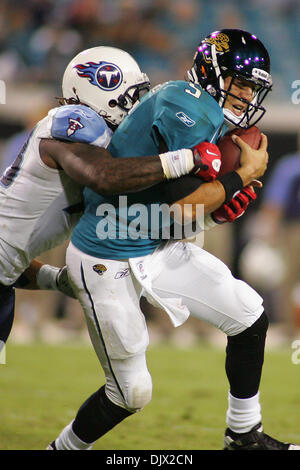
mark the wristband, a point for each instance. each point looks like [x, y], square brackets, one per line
[177, 163]
[209, 222]
[232, 183]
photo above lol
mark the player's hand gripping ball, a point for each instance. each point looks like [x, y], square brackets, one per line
[207, 158]
[231, 152]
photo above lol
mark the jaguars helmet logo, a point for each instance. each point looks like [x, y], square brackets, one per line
[221, 41]
[99, 269]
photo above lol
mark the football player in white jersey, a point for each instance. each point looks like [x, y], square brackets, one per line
[41, 192]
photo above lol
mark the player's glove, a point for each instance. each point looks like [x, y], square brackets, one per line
[207, 159]
[232, 210]
[235, 208]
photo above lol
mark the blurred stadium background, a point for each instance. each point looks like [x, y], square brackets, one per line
[37, 40]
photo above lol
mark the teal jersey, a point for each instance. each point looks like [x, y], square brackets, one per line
[183, 115]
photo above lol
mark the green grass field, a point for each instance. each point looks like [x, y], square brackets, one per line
[42, 386]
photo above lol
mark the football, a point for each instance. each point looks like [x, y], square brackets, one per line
[231, 152]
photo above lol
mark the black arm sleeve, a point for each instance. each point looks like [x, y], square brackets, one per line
[167, 192]
[173, 190]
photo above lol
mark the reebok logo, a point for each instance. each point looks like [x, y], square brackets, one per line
[185, 119]
[122, 274]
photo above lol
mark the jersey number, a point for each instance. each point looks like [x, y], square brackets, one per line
[11, 172]
[196, 93]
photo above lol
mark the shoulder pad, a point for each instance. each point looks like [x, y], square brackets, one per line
[185, 115]
[193, 100]
[79, 123]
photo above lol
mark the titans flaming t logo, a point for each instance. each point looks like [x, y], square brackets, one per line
[105, 75]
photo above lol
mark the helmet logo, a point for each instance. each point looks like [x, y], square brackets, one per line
[104, 75]
[220, 40]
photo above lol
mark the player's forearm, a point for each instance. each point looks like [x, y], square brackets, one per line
[97, 169]
[124, 175]
[138, 173]
[210, 195]
[116, 176]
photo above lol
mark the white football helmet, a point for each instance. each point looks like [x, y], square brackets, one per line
[107, 80]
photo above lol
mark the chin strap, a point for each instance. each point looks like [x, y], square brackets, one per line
[192, 76]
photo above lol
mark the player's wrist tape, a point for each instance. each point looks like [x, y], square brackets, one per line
[46, 277]
[52, 278]
[209, 222]
[177, 163]
[232, 183]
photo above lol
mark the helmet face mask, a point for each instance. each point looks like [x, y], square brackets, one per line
[254, 110]
[107, 80]
[241, 56]
[133, 94]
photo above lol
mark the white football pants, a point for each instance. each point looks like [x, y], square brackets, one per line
[179, 277]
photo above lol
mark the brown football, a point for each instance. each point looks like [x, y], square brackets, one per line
[231, 152]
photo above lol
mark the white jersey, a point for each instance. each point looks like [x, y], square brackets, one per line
[39, 205]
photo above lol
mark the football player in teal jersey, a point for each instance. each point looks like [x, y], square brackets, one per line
[111, 263]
